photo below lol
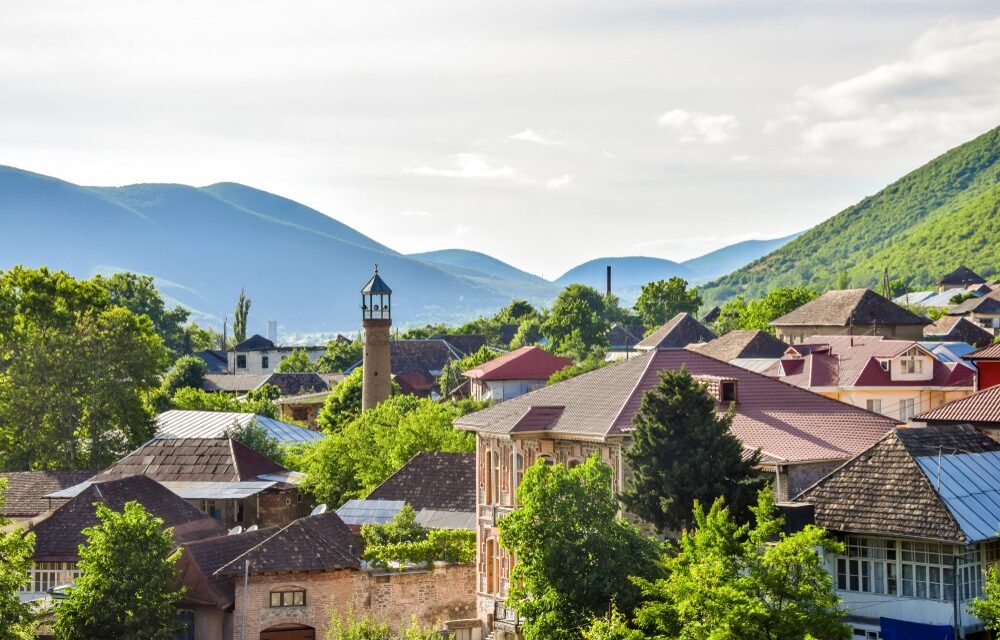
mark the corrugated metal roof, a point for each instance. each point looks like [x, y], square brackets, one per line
[369, 511]
[757, 365]
[191, 490]
[178, 423]
[969, 486]
[435, 519]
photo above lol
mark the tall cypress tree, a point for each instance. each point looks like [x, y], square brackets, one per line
[682, 450]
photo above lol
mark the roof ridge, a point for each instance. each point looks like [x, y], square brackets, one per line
[630, 394]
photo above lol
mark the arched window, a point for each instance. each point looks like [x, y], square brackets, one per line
[573, 462]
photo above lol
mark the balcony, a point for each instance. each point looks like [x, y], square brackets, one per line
[492, 513]
[505, 618]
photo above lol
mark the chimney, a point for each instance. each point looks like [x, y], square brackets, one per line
[272, 331]
[609, 280]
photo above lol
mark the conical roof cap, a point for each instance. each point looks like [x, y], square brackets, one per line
[376, 286]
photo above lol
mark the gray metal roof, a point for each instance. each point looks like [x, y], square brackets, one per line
[178, 423]
[193, 490]
[437, 519]
[969, 486]
[369, 511]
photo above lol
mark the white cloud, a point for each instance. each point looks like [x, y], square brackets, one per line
[739, 158]
[560, 182]
[705, 128]
[409, 213]
[467, 165]
[948, 86]
[535, 138]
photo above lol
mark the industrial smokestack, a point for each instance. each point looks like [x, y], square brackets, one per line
[609, 280]
[272, 331]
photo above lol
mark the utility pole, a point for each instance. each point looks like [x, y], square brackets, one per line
[246, 599]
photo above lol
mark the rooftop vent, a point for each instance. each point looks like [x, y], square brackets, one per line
[724, 390]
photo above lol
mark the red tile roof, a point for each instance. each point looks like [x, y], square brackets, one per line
[526, 363]
[193, 459]
[991, 352]
[981, 407]
[787, 423]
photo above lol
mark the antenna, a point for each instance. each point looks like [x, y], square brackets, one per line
[319, 509]
[235, 530]
[252, 527]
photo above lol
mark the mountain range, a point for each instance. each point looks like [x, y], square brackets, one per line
[298, 265]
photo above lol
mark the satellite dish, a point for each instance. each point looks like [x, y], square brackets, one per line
[235, 530]
[319, 509]
[252, 527]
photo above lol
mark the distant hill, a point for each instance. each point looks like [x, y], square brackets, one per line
[727, 259]
[922, 226]
[628, 274]
[492, 273]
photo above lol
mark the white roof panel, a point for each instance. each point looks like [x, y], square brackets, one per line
[178, 423]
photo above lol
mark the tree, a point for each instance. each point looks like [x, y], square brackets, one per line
[987, 607]
[362, 453]
[737, 582]
[613, 626]
[578, 368]
[516, 312]
[139, 294]
[188, 371]
[240, 317]
[575, 556]
[529, 333]
[661, 300]
[297, 362]
[77, 375]
[682, 451]
[127, 589]
[451, 376]
[257, 438]
[201, 339]
[340, 355]
[259, 401]
[16, 549]
[371, 628]
[757, 315]
[343, 404]
[575, 325]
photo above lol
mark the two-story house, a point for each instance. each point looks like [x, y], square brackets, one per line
[801, 436]
[257, 355]
[897, 378]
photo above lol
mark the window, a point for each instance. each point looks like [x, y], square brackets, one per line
[927, 570]
[868, 567]
[46, 576]
[241, 362]
[913, 365]
[906, 408]
[874, 405]
[909, 569]
[885, 365]
[296, 598]
[185, 620]
[265, 362]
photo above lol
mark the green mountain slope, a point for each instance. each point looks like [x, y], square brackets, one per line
[920, 227]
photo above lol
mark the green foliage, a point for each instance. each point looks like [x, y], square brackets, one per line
[451, 375]
[256, 437]
[403, 542]
[403, 528]
[575, 555]
[128, 588]
[340, 355]
[529, 333]
[591, 363]
[576, 324]
[683, 452]
[422, 332]
[240, 317]
[343, 404]
[77, 373]
[139, 295]
[959, 298]
[362, 453]
[16, 549]
[516, 312]
[726, 581]
[613, 626]
[371, 628]
[946, 213]
[188, 371]
[296, 362]
[259, 401]
[987, 607]
[661, 300]
[614, 312]
[201, 338]
[756, 315]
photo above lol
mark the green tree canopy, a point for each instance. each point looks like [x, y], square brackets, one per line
[188, 371]
[591, 363]
[756, 315]
[575, 556]
[343, 405]
[529, 332]
[16, 549]
[661, 300]
[576, 324]
[139, 295]
[77, 373]
[296, 362]
[451, 376]
[240, 315]
[340, 355]
[987, 606]
[516, 312]
[737, 582]
[682, 451]
[128, 588]
[259, 401]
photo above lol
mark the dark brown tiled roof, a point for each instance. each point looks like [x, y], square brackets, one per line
[980, 408]
[316, 543]
[26, 490]
[58, 536]
[964, 276]
[958, 329]
[256, 342]
[989, 303]
[201, 559]
[677, 333]
[857, 307]
[712, 315]
[439, 481]
[215, 361]
[193, 459]
[625, 336]
[742, 344]
[883, 490]
[465, 344]
[293, 384]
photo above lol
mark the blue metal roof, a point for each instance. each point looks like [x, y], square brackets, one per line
[969, 487]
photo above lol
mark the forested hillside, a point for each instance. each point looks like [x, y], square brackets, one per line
[920, 227]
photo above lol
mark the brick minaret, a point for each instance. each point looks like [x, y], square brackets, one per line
[376, 319]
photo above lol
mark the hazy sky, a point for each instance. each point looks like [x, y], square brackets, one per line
[543, 133]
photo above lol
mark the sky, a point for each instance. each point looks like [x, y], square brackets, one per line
[544, 133]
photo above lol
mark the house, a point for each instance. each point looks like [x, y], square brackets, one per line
[257, 355]
[897, 378]
[216, 360]
[417, 364]
[622, 339]
[181, 423]
[981, 410]
[858, 312]
[221, 477]
[753, 350]
[25, 500]
[987, 361]
[310, 570]
[711, 315]
[464, 343]
[801, 436]
[288, 384]
[917, 513]
[59, 536]
[961, 278]
[958, 329]
[440, 487]
[513, 374]
[303, 408]
[983, 310]
[208, 602]
[678, 332]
